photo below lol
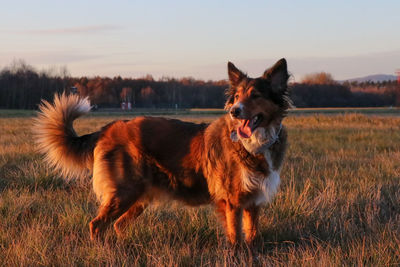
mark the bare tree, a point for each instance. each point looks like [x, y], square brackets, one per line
[318, 78]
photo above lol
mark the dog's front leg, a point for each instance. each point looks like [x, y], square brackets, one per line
[250, 223]
[234, 223]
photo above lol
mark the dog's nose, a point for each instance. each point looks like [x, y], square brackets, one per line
[235, 112]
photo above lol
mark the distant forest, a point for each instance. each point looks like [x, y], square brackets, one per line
[23, 87]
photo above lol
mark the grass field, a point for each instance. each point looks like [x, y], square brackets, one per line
[211, 112]
[338, 204]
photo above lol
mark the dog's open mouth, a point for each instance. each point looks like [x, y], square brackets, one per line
[247, 127]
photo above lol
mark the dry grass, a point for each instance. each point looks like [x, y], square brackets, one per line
[339, 204]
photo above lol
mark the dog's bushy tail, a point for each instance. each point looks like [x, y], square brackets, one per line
[63, 149]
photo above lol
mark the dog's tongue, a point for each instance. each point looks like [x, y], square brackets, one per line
[244, 130]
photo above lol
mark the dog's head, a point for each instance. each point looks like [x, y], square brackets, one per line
[258, 105]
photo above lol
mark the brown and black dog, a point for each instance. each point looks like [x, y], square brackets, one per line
[233, 163]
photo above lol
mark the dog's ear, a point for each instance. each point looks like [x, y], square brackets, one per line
[235, 75]
[278, 76]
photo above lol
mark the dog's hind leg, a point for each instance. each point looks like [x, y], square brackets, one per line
[133, 212]
[112, 207]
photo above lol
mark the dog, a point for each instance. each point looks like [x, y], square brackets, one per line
[233, 163]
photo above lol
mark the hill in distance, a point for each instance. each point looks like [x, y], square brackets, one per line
[374, 78]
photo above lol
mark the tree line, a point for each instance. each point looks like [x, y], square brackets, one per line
[23, 87]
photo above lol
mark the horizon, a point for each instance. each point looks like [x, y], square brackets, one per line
[179, 39]
[63, 71]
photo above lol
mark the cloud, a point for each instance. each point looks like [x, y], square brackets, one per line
[77, 30]
[49, 57]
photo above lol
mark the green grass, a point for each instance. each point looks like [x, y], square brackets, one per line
[383, 111]
[210, 112]
[338, 204]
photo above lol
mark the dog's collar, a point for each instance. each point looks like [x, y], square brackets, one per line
[273, 140]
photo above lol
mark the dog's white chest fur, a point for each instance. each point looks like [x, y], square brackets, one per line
[264, 188]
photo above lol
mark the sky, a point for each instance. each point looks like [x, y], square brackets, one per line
[197, 38]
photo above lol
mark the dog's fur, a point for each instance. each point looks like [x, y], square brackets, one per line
[134, 162]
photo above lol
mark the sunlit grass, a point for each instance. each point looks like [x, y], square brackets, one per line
[339, 204]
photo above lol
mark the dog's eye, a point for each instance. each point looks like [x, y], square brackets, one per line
[236, 97]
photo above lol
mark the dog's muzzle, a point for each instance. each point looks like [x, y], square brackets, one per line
[235, 112]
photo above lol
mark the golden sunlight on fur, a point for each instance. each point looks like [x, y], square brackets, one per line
[233, 163]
